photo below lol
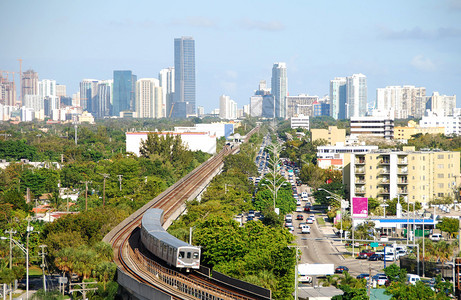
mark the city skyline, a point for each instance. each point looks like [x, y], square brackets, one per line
[418, 44]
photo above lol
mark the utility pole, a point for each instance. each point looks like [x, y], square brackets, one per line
[104, 189]
[42, 253]
[120, 180]
[86, 193]
[369, 280]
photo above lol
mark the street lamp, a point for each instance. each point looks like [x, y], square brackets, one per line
[344, 204]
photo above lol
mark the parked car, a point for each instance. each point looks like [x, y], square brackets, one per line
[413, 278]
[381, 279]
[436, 237]
[365, 276]
[341, 269]
[364, 254]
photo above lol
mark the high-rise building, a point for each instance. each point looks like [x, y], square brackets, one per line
[88, 93]
[442, 105]
[149, 98]
[184, 77]
[300, 105]
[256, 106]
[29, 83]
[166, 78]
[279, 88]
[7, 90]
[123, 92]
[227, 108]
[61, 90]
[103, 99]
[47, 87]
[338, 98]
[356, 101]
[402, 101]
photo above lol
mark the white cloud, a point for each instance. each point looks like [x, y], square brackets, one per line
[419, 33]
[422, 63]
[261, 25]
[195, 22]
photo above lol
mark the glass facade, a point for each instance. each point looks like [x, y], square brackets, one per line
[124, 92]
[184, 80]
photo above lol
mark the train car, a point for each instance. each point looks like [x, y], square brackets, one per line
[165, 246]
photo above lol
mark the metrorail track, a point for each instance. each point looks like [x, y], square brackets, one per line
[139, 267]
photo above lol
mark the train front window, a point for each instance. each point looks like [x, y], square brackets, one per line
[195, 255]
[188, 255]
[181, 254]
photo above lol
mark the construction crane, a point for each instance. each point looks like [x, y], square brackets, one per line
[171, 110]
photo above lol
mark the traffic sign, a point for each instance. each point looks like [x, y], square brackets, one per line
[373, 245]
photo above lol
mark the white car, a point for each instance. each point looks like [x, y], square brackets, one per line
[389, 256]
[436, 237]
[304, 194]
[299, 209]
[301, 225]
[306, 229]
[309, 221]
[289, 218]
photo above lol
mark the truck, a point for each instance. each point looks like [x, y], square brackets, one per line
[364, 254]
[306, 271]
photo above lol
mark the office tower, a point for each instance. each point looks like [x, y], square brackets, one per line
[402, 101]
[268, 107]
[338, 98]
[441, 105]
[200, 111]
[76, 99]
[356, 101]
[256, 106]
[88, 92]
[166, 78]
[47, 87]
[103, 99]
[149, 98]
[124, 88]
[227, 108]
[300, 105]
[279, 88]
[29, 83]
[184, 77]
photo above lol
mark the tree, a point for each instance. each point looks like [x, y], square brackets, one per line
[449, 225]
[395, 273]
[401, 291]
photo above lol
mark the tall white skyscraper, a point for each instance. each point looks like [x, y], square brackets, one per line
[149, 98]
[166, 78]
[356, 91]
[441, 105]
[47, 87]
[338, 98]
[279, 88]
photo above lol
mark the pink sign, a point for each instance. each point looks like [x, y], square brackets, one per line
[359, 207]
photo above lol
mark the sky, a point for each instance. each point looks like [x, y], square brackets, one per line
[411, 42]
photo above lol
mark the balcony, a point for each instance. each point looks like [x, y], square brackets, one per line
[384, 171]
[402, 180]
[383, 191]
[359, 181]
[359, 191]
[403, 191]
[384, 181]
[402, 171]
[402, 161]
[360, 161]
[385, 161]
[359, 170]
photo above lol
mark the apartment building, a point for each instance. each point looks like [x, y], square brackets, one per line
[414, 175]
[407, 132]
[373, 126]
[300, 121]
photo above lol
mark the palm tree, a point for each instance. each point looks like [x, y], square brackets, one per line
[331, 280]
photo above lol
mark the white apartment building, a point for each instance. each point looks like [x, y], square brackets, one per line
[227, 108]
[256, 106]
[403, 101]
[442, 105]
[301, 105]
[149, 98]
[356, 95]
[334, 156]
[452, 124]
[300, 121]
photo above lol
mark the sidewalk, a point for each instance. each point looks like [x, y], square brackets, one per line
[329, 231]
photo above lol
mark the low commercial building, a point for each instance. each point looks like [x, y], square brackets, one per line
[333, 135]
[406, 133]
[373, 126]
[217, 129]
[452, 125]
[414, 175]
[194, 141]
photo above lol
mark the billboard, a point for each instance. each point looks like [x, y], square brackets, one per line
[359, 207]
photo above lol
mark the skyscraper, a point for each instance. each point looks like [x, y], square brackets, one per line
[88, 92]
[103, 99]
[401, 100]
[279, 87]
[184, 77]
[29, 83]
[356, 101]
[166, 78]
[227, 108]
[338, 98]
[124, 92]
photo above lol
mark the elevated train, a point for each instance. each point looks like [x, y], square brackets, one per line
[165, 246]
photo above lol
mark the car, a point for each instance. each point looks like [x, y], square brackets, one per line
[301, 225]
[298, 202]
[400, 253]
[389, 256]
[435, 237]
[306, 229]
[375, 257]
[291, 228]
[364, 254]
[380, 278]
[384, 238]
[304, 194]
[288, 223]
[365, 276]
[413, 279]
[289, 218]
[309, 221]
[341, 269]
[251, 213]
[250, 219]
[299, 217]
